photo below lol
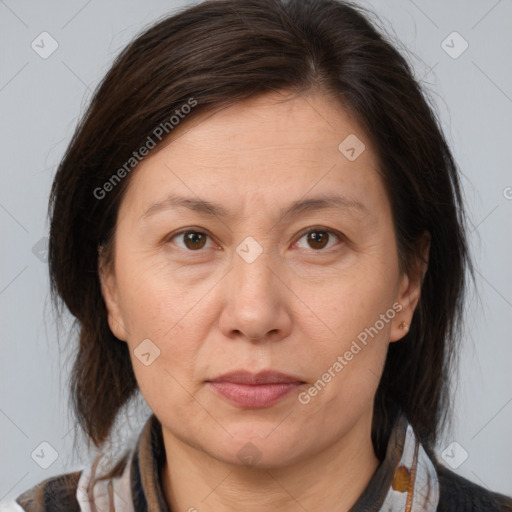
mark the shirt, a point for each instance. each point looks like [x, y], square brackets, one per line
[407, 480]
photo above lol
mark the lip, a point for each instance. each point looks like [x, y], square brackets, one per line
[254, 390]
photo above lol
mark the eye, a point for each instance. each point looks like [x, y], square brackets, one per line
[192, 239]
[318, 238]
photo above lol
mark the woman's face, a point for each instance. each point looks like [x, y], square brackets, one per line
[214, 272]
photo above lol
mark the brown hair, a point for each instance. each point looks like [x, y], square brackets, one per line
[223, 51]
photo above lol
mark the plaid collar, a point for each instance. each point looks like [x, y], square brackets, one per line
[405, 481]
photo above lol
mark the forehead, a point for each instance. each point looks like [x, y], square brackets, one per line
[271, 148]
[305, 124]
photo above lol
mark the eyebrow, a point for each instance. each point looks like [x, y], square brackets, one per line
[296, 208]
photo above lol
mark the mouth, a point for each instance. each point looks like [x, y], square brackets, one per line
[254, 390]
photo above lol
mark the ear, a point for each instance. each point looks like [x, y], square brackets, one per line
[110, 296]
[410, 290]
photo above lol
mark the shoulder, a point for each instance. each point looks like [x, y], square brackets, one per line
[98, 486]
[461, 495]
[54, 494]
[10, 506]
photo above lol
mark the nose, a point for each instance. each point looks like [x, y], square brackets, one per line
[255, 306]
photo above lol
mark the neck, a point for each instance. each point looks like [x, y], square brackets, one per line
[332, 479]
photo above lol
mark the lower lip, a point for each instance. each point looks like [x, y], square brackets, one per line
[253, 396]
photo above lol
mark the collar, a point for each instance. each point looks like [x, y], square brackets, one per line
[405, 480]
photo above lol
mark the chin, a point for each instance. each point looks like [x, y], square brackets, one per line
[261, 445]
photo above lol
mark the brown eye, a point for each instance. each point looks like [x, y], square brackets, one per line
[319, 238]
[192, 240]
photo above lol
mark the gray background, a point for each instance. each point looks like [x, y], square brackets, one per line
[40, 101]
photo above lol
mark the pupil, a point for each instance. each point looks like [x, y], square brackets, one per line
[318, 239]
[194, 238]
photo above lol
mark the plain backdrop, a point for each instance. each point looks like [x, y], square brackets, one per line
[469, 77]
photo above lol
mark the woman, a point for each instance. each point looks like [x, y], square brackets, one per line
[258, 224]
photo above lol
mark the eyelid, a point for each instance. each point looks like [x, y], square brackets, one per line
[190, 229]
[324, 229]
[301, 234]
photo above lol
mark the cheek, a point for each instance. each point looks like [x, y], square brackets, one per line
[354, 313]
[154, 299]
[347, 302]
[162, 328]
[165, 360]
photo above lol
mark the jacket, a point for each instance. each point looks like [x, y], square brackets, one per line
[408, 479]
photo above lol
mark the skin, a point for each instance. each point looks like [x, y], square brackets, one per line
[294, 309]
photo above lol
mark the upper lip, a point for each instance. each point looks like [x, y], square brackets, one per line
[263, 377]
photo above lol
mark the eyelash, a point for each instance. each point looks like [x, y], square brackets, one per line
[313, 229]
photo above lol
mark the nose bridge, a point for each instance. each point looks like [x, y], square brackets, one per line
[253, 301]
[252, 274]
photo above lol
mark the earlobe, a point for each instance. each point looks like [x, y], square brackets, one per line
[408, 298]
[110, 296]
[410, 291]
